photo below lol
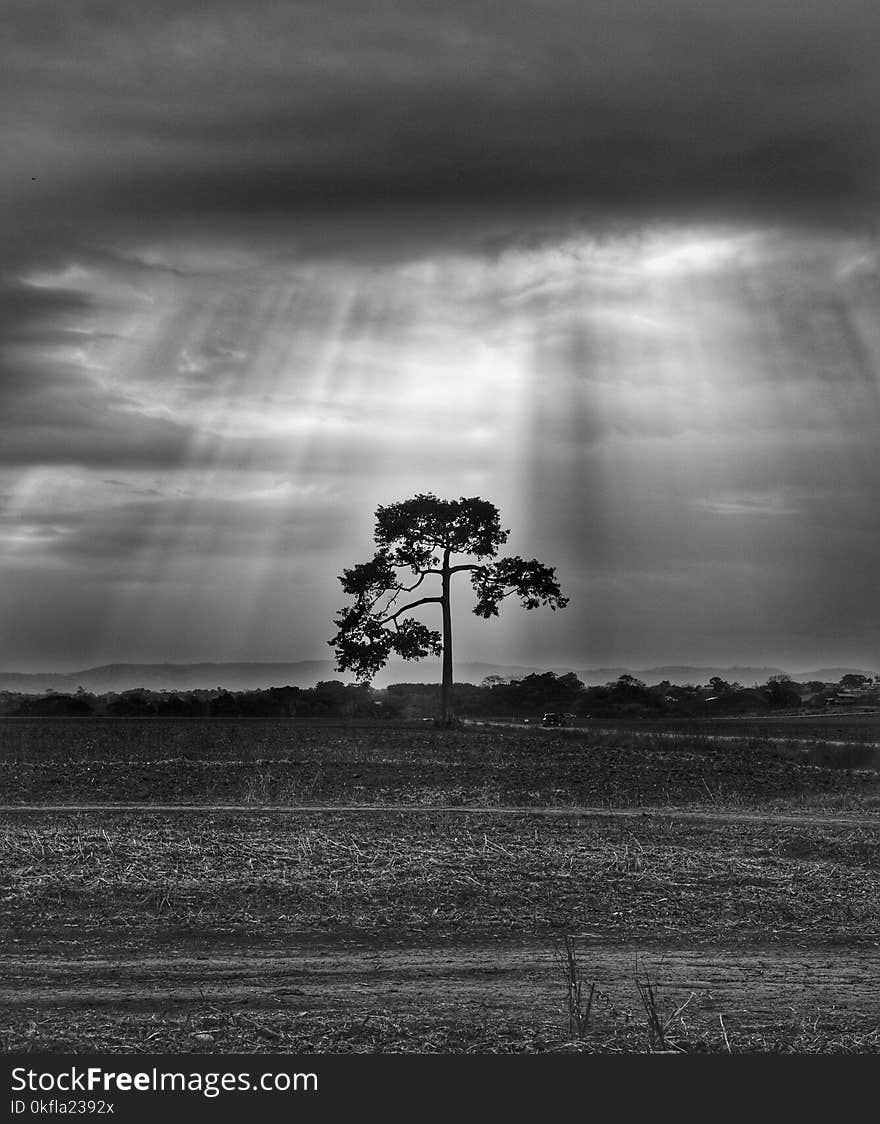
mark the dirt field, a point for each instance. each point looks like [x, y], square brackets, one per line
[413, 999]
[721, 897]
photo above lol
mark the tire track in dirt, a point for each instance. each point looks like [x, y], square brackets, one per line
[750, 986]
[855, 820]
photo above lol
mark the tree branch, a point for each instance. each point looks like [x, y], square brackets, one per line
[412, 605]
[393, 594]
[422, 575]
[396, 592]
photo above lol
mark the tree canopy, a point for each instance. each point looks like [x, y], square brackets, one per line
[417, 539]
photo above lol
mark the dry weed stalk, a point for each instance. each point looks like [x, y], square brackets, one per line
[579, 1001]
[658, 1026]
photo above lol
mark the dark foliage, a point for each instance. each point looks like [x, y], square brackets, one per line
[417, 539]
[530, 696]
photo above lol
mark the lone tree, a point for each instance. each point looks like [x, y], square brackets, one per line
[417, 539]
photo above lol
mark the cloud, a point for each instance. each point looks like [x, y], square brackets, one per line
[123, 534]
[611, 264]
[52, 407]
[209, 114]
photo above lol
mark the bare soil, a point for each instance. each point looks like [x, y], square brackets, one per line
[747, 898]
[803, 817]
[758, 996]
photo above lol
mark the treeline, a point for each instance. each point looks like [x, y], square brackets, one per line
[626, 697]
[529, 697]
[325, 700]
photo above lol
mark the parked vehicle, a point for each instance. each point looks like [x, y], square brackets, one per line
[558, 718]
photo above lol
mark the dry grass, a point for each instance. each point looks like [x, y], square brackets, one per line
[87, 885]
[274, 762]
[656, 879]
[578, 998]
[211, 1029]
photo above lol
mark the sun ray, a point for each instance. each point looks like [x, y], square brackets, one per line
[676, 410]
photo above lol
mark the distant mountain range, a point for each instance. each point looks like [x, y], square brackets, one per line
[306, 673]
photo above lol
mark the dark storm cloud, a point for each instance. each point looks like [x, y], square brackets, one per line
[188, 528]
[686, 420]
[29, 312]
[74, 433]
[618, 108]
[54, 411]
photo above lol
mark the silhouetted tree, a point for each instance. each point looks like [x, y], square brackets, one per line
[781, 691]
[417, 539]
[853, 681]
[627, 683]
[546, 691]
[55, 705]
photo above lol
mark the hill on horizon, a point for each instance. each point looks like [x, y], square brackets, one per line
[248, 676]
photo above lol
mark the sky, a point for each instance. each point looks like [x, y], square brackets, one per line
[612, 266]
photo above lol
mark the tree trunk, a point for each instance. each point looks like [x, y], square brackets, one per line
[447, 715]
